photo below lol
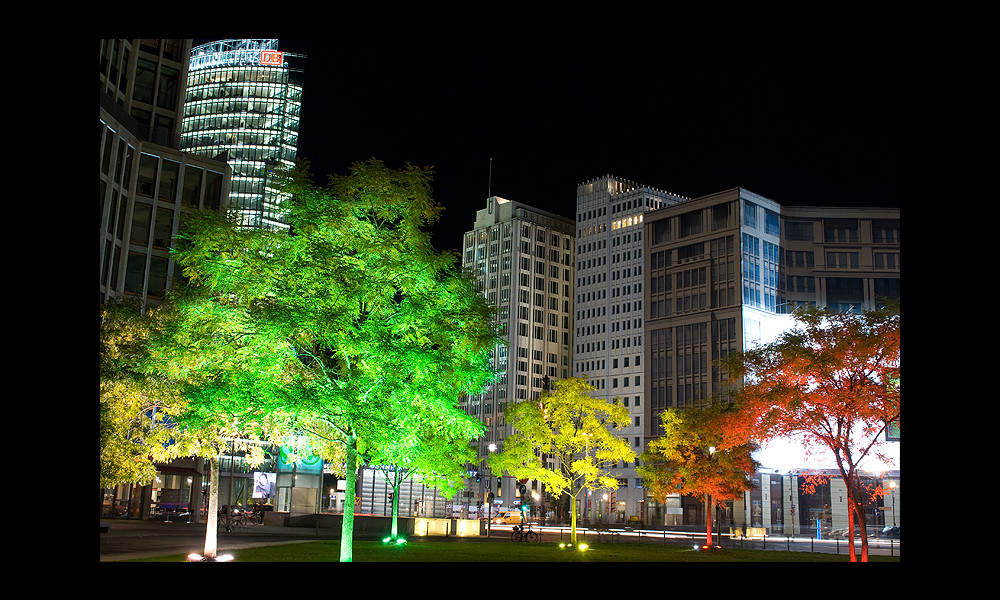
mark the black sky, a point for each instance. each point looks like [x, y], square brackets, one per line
[801, 123]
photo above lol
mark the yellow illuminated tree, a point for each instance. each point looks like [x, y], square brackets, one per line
[572, 426]
[133, 405]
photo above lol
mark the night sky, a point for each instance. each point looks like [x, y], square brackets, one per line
[801, 123]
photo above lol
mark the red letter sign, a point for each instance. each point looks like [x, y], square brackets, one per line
[271, 57]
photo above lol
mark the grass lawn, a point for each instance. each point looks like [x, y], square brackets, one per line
[423, 550]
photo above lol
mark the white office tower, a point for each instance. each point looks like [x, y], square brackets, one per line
[522, 259]
[608, 341]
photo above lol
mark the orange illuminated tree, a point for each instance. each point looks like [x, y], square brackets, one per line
[832, 382]
[688, 458]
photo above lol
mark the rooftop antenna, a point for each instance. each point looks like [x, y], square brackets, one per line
[489, 183]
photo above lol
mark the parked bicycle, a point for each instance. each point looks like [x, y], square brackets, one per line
[237, 519]
[520, 534]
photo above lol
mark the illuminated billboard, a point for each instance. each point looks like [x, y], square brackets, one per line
[230, 53]
[263, 485]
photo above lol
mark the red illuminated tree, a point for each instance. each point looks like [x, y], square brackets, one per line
[832, 382]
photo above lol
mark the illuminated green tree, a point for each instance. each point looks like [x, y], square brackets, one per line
[574, 427]
[437, 456]
[153, 411]
[224, 401]
[689, 458]
[350, 322]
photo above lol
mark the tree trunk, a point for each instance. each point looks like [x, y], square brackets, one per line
[212, 519]
[347, 525]
[572, 519]
[855, 511]
[709, 505]
[395, 509]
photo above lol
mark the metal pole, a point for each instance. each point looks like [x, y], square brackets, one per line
[232, 466]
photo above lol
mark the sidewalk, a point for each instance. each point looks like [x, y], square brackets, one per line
[128, 539]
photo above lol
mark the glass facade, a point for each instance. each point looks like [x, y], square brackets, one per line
[242, 101]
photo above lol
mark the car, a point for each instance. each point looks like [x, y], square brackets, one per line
[509, 517]
[841, 534]
[890, 531]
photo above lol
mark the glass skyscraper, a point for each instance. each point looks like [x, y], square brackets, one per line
[242, 105]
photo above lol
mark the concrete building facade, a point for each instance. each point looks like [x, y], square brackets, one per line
[523, 262]
[609, 341]
[146, 181]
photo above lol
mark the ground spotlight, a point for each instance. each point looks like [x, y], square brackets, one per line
[194, 557]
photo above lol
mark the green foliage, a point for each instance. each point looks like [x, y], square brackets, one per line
[350, 328]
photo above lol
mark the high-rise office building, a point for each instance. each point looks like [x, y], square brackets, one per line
[146, 182]
[609, 309]
[242, 103]
[522, 260]
[724, 271]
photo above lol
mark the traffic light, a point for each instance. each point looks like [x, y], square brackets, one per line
[499, 481]
[477, 477]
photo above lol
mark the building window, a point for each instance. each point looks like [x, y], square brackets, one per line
[135, 273]
[192, 186]
[749, 214]
[885, 232]
[838, 231]
[842, 260]
[771, 223]
[157, 285]
[147, 175]
[801, 231]
[163, 227]
[691, 223]
[886, 260]
[141, 215]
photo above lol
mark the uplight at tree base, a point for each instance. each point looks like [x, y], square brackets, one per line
[397, 541]
[568, 546]
[194, 557]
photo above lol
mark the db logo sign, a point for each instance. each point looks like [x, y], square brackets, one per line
[271, 57]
